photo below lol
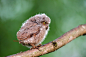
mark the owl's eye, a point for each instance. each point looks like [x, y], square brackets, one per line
[44, 22]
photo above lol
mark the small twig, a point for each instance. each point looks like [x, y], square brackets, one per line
[54, 45]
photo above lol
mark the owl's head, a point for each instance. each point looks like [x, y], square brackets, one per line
[41, 19]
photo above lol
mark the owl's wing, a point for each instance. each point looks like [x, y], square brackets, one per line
[28, 31]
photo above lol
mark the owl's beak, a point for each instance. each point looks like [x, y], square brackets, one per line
[46, 27]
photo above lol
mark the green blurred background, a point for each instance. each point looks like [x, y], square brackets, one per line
[64, 14]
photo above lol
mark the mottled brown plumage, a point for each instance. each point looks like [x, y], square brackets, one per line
[34, 30]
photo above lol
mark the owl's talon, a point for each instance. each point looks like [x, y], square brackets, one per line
[39, 45]
[35, 47]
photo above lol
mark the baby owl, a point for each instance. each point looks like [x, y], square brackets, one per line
[34, 30]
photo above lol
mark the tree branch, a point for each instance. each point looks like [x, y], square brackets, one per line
[54, 45]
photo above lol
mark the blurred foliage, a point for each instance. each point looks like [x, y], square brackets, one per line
[64, 14]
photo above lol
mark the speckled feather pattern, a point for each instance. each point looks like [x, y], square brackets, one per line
[33, 30]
